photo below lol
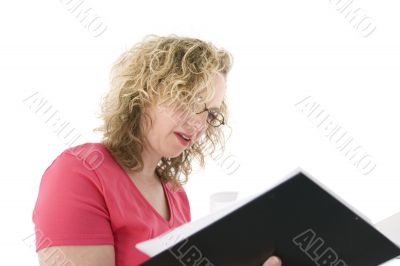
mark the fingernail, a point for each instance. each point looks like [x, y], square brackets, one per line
[274, 261]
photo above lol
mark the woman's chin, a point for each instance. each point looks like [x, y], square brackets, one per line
[173, 154]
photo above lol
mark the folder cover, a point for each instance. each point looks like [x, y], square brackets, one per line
[298, 220]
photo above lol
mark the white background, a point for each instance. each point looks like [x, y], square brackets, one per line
[284, 51]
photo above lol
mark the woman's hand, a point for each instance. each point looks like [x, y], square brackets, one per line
[272, 261]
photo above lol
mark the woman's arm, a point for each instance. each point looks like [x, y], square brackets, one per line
[94, 255]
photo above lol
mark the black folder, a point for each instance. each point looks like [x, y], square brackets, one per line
[297, 220]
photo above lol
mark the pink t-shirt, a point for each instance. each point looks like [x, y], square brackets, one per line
[86, 198]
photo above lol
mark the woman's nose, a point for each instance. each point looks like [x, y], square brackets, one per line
[196, 123]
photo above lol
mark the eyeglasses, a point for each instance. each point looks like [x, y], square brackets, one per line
[214, 117]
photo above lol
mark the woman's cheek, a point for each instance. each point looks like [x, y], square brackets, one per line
[201, 133]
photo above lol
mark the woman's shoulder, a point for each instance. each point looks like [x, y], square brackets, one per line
[79, 160]
[89, 152]
[90, 155]
[75, 163]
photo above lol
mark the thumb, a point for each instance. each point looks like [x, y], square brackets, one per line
[273, 261]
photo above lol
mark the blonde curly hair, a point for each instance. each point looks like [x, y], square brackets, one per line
[162, 70]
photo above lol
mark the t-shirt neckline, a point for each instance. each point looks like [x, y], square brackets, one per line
[166, 194]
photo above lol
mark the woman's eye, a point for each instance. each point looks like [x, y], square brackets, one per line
[212, 116]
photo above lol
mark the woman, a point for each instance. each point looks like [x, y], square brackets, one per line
[165, 108]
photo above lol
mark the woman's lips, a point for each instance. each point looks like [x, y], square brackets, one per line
[186, 136]
[183, 141]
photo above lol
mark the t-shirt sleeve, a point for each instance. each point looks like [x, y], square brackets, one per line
[70, 208]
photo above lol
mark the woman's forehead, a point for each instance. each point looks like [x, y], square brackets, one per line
[219, 87]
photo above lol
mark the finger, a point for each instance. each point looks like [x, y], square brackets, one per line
[273, 261]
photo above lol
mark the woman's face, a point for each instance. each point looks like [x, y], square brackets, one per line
[165, 135]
